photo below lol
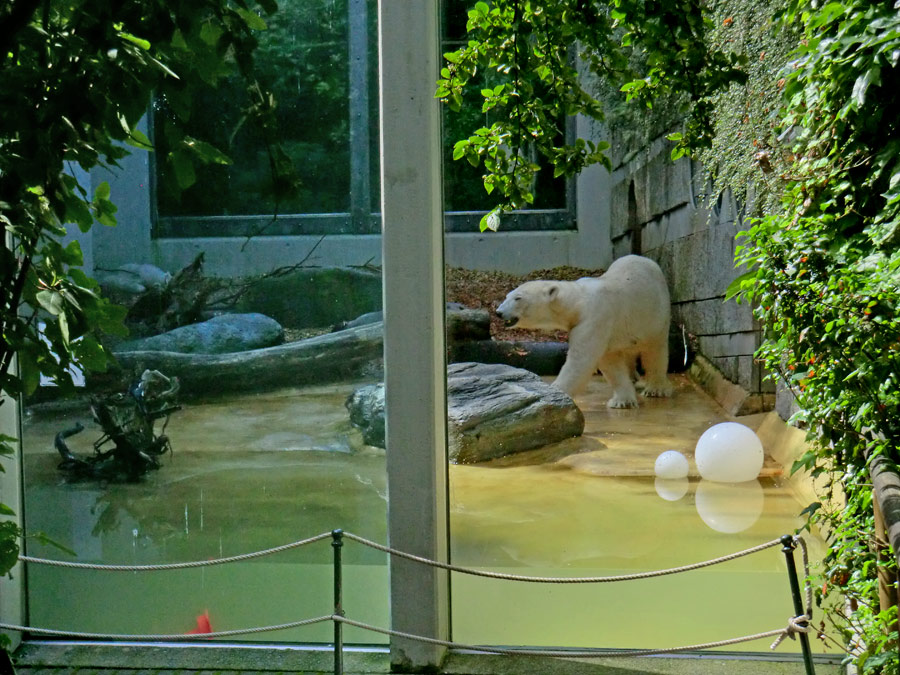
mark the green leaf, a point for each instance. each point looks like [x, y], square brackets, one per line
[183, 168]
[138, 139]
[252, 19]
[9, 547]
[102, 192]
[862, 84]
[735, 288]
[52, 301]
[207, 153]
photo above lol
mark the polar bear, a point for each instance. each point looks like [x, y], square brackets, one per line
[612, 321]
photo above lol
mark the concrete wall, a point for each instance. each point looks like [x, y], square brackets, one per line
[657, 209]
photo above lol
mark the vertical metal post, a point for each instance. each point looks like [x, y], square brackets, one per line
[337, 542]
[788, 546]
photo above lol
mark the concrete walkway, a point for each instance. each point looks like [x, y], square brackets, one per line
[59, 659]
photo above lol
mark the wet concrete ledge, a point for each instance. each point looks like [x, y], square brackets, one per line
[46, 658]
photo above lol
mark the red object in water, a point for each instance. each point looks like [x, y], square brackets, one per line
[203, 625]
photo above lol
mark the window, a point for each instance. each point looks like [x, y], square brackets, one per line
[319, 59]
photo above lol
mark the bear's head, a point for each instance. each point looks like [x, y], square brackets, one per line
[534, 305]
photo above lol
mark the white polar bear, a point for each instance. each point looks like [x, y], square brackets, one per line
[612, 320]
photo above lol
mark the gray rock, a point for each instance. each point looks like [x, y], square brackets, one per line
[133, 278]
[462, 323]
[224, 334]
[493, 410]
[315, 297]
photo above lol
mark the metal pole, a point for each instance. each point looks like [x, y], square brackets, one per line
[788, 550]
[337, 537]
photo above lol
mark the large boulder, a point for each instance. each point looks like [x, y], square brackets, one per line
[493, 410]
[315, 297]
[223, 334]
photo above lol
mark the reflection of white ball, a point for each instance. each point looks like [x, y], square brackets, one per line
[729, 453]
[671, 489]
[729, 508]
[671, 464]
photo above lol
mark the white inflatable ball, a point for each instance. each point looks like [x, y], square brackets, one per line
[729, 453]
[671, 489]
[671, 464]
[729, 508]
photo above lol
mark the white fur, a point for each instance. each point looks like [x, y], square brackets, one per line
[612, 320]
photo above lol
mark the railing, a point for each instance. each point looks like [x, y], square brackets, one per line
[798, 624]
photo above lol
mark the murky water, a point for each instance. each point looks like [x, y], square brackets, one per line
[254, 472]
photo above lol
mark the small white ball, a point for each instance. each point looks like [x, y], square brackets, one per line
[671, 464]
[671, 489]
[729, 453]
[729, 508]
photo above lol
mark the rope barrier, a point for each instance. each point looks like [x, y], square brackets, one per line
[562, 580]
[571, 653]
[175, 566]
[796, 625]
[165, 637]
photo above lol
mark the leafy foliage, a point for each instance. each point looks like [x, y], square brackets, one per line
[826, 273]
[533, 82]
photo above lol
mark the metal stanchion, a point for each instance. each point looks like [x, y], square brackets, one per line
[337, 542]
[788, 550]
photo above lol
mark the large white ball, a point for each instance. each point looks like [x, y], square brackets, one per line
[671, 464]
[729, 508]
[729, 453]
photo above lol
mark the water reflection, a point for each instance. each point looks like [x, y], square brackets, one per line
[730, 507]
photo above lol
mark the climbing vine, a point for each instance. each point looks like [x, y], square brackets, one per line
[522, 58]
[825, 281]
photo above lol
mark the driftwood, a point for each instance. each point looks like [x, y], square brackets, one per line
[325, 358]
[333, 357]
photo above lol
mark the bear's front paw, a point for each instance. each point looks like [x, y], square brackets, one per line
[622, 402]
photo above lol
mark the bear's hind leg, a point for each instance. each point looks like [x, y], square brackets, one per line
[655, 360]
[618, 373]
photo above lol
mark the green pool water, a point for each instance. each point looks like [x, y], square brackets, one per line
[254, 472]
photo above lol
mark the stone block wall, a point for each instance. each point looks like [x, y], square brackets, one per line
[657, 209]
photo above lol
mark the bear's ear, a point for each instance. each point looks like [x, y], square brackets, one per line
[553, 291]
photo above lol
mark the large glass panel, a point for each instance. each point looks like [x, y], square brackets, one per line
[547, 485]
[255, 448]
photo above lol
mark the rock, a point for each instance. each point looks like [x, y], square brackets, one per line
[542, 358]
[366, 407]
[132, 279]
[334, 357]
[493, 410]
[223, 334]
[315, 297]
[462, 323]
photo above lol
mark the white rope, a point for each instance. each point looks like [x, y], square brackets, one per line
[782, 632]
[793, 627]
[164, 637]
[562, 580]
[174, 566]
[797, 624]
